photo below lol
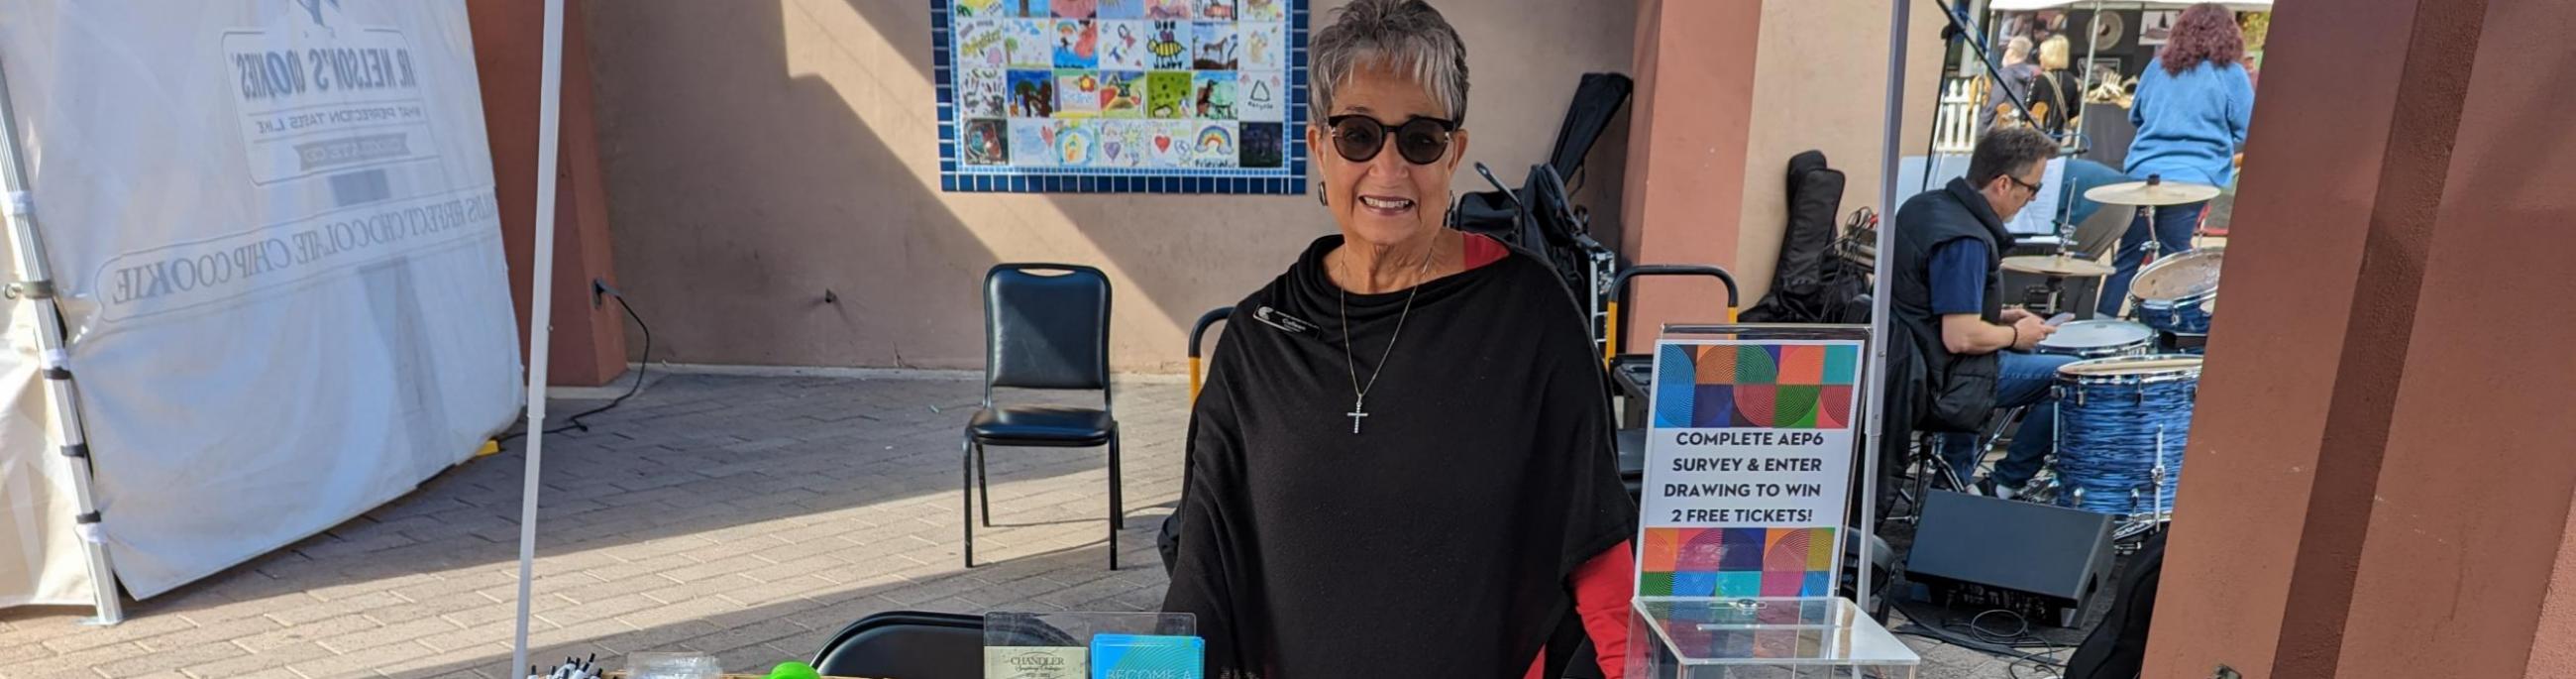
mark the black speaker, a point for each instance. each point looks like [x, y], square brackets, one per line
[2047, 563]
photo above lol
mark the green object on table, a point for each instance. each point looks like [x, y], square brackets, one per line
[794, 670]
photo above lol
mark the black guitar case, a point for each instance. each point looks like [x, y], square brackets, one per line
[1799, 293]
[2117, 648]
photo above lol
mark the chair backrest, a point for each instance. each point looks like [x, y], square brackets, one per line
[906, 645]
[1046, 331]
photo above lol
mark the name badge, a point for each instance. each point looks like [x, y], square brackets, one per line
[1285, 323]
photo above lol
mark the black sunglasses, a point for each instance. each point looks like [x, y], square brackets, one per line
[1420, 140]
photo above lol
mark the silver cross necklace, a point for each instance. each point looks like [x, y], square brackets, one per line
[1359, 393]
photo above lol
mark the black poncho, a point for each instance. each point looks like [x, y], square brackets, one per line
[1439, 540]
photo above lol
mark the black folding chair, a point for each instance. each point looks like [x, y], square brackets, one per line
[906, 645]
[1198, 335]
[1043, 331]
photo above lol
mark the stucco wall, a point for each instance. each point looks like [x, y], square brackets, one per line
[763, 155]
[2377, 482]
[509, 38]
[1745, 87]
[1820, 83]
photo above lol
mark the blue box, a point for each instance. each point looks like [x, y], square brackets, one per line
[1136, 656]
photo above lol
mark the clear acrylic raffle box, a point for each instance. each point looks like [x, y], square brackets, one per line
[1766, 638]
[1067, 645]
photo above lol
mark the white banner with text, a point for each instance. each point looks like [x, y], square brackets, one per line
[274, 229]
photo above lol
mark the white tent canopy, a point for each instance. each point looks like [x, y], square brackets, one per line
[278, 293]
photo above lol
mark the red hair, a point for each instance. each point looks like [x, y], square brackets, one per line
[2206, 32]
[2203, 35]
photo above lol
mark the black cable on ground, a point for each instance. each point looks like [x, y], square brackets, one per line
[1937, 634]
[645, 366]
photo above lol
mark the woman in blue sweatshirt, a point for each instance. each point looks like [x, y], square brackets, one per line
[2193, 105]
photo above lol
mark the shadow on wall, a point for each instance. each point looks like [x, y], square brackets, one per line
[760, 155]
[725, 184]
[764, 156]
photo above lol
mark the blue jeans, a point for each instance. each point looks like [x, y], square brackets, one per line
[2173, 227]
[2021, 380]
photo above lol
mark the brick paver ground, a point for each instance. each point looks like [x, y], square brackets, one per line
[747, 517]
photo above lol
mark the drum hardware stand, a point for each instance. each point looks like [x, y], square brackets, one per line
[2155, 246]
[2128, 307]
[2159, 475]
[2057, 284]
[2136, 527]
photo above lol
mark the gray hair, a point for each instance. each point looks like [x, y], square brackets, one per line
[1402, 35]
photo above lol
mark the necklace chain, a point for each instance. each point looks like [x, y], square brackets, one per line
[1350, 356]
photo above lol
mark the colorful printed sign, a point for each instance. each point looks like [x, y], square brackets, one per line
[1159, 96]
[1748, 463]
[1138, 656]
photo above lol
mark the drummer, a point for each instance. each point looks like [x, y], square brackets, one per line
[1947, 292]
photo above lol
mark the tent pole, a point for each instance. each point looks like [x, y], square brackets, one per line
[2075, 138]
[35, 283]
[540, 313]
[1881, 332]
[2092, 47]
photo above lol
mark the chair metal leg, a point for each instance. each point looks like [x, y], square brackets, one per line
[983, 483]
[1927, 471]
[1994, 434]
[966, 494]
[1117, 502]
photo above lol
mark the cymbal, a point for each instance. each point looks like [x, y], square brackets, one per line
[2057, 265]
[2151, 193]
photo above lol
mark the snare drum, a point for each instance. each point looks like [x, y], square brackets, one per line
[2098, 339]
[2121, 426]
[2175, 294]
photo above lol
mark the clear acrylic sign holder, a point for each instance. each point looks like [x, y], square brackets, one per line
[1783, 638]
[1772, 637]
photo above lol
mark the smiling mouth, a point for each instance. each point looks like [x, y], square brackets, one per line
[1386, 203]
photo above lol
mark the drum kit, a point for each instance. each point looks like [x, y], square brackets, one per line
[2124, 410]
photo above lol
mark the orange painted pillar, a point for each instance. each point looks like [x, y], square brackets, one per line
[1687, 130]
[2379, 481]
[589, 341]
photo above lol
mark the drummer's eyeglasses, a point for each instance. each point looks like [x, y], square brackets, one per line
[2034, 188]
[1420, 140]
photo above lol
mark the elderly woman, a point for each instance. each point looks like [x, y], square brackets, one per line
[1401, 465]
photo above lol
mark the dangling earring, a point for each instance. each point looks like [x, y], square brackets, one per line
[1319, 195]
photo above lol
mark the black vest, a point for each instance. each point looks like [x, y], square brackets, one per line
[1957, 388]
